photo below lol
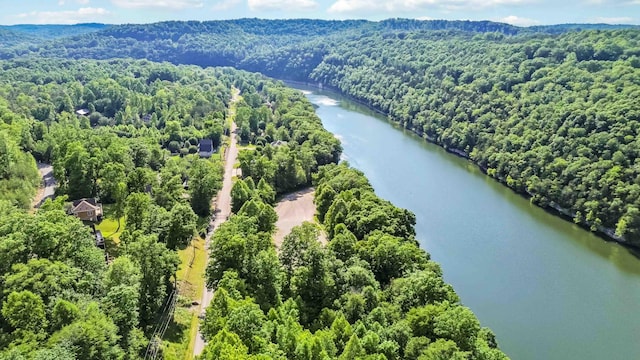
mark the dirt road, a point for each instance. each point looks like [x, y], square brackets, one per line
[49, 185]
[294, 209]
[222, 212]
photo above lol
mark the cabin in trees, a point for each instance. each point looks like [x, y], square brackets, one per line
[87, 209]
[83, 112]
[205, 148]
[278, 143]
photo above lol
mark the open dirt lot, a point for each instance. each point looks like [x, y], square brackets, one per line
[294, 209]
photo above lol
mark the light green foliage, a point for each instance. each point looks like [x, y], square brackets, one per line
[443, 350]
[63, 314]
[24, 311]
[93, 336]
[238, 246]
[225, 346]
[18, 173]
[240, 194]
[264, 214]
[111, 175]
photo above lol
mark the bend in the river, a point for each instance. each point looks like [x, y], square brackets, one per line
[546, 287]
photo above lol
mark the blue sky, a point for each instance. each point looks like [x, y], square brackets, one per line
[517, 12]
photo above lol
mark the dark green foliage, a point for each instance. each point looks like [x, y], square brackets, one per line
[205, 179]
[547, 110]
[372, 293]
[57, 300]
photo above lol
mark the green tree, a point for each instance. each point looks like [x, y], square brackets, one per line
[182, 226]
[240, 194]
[204, 182]
[137, 211]
[93, 337]
[25, 311]
[111, 175]
[157, 266]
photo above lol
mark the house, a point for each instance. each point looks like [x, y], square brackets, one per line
[86, 209]
[205, 148]
[278, 143]
[83, 112]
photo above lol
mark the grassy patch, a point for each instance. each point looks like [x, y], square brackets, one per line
[180, 336]
[109, 225]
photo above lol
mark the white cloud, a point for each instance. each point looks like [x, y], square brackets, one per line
[518, 21]
[226, 4]
[82, 15]
[289, 5]
[613, 20]
[349, 6]
[160, 4]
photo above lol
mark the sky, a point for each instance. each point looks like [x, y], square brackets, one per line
[516, 12]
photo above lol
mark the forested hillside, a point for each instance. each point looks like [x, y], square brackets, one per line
[372, 292]
[549, 111]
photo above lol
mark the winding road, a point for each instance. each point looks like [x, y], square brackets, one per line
[222, 212]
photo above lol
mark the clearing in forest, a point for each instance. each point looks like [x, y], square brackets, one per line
[294, 209]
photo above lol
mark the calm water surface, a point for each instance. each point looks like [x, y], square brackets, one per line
[548, 289]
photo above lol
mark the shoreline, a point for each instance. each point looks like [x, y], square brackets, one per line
[606, 234]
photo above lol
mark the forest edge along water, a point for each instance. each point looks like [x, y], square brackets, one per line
[546, 287]
[607, 234]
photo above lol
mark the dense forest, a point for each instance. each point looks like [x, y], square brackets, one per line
[134, 148]
[59, 298]
[549, 111]
[372, 292]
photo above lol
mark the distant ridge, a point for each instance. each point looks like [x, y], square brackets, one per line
[315, 27]
[54, 31]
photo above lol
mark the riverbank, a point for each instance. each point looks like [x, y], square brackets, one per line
[606, 234]
[525, 272]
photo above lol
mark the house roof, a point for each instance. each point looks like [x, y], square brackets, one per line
[206, 145]
[278, 143]
[83, 112]
[84, 205]
[92, 201]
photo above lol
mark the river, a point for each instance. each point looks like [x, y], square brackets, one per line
[547, 288]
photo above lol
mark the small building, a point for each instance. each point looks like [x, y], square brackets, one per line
[83, 112]
[87, 209]
[278, 143]
[205, 148]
